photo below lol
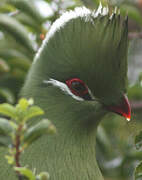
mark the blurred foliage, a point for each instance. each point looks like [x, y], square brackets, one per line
[23, 26]
[17, 135]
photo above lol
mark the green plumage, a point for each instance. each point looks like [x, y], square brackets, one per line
[93, 48]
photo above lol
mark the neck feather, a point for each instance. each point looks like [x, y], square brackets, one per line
[70, 154]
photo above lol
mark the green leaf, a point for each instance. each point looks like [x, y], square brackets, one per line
[18, 73]
[7, 94]
[10, 159]
[31, 101]
[20, 63]
[29, 8]
[15, 29]
[33, 112]
[22, 108]
[43, 176]
[23, 104]
[103, 139]
[25, 172]
[12, 53]
[30, 22]
[4, 67]
[6, 8]
[138, 171]
[13, 125]
[132, 12]
[36, 131]
[5, 127]
[5, 141]
[8, 110]
[138, 141]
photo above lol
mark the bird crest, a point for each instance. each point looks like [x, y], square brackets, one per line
[89, 45]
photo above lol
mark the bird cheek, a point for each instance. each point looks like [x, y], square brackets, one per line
[122, 109]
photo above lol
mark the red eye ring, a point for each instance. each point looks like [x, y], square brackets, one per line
[80, 93]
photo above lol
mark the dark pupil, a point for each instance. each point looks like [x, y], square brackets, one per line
[77, 86]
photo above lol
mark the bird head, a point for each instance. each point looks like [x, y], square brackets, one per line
[84, 59]
[78, 76]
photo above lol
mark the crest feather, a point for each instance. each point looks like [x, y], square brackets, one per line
[73, 14]
[90, 45]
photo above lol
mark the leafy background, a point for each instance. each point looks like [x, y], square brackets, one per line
[23, 26]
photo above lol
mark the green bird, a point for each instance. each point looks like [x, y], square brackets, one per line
[78, 76]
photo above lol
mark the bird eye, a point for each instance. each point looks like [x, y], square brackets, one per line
[79, 88]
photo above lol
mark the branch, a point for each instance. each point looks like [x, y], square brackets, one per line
[17, 147]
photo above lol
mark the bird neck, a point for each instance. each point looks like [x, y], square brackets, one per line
[70, 154]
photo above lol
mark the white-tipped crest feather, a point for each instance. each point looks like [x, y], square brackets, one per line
[99, 10]
[78, 12]
[105, 11]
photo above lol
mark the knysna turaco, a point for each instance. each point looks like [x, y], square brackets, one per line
[78, 76]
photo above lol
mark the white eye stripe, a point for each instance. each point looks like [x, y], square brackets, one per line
[63, 87]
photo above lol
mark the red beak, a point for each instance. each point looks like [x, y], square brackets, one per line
[122, 109]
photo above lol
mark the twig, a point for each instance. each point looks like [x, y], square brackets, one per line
[17, 154]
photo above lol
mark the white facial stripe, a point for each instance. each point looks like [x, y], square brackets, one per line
[63, 87]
